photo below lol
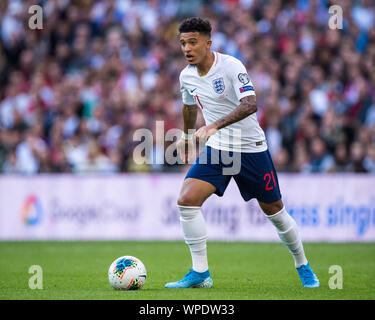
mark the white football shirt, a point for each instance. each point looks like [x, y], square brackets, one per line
[217, 94]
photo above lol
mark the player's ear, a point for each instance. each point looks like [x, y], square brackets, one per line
[209, 43]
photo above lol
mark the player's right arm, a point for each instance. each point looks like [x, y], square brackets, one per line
[185, 146]
[189, 114]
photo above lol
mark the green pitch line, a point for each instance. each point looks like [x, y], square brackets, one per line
[240, 270]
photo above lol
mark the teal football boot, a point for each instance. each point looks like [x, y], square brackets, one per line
[308, 277]
[193, 279]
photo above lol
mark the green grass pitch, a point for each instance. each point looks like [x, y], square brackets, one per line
[240, 270]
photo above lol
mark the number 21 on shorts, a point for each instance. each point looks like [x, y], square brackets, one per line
[270, 181]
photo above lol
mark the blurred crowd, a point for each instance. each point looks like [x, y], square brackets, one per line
[73, 93]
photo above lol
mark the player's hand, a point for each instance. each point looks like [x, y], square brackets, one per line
[205, 132]
[186, 149]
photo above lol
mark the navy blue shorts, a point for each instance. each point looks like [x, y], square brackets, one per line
[253, 173]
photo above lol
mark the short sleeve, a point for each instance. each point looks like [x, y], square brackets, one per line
[242, 84]
[187, 98]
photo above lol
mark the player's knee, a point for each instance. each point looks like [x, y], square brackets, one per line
[272, 207]
[277, 206]
[187, 200]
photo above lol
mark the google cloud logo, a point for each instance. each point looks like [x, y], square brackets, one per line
[31, 211]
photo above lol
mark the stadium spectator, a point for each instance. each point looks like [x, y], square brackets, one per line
[341, 163]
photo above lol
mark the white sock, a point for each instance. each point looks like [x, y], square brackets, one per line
[288, 232]
[195, 235]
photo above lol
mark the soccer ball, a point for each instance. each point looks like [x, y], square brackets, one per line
[127, 273]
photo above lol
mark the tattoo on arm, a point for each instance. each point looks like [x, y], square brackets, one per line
[247, 107]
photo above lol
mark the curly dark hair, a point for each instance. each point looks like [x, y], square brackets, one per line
[195, 25]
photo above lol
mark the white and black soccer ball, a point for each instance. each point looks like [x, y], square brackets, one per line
[127, 273]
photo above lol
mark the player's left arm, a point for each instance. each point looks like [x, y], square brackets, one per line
[246, 107]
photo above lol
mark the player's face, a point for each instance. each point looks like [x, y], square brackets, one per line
[195, 46]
